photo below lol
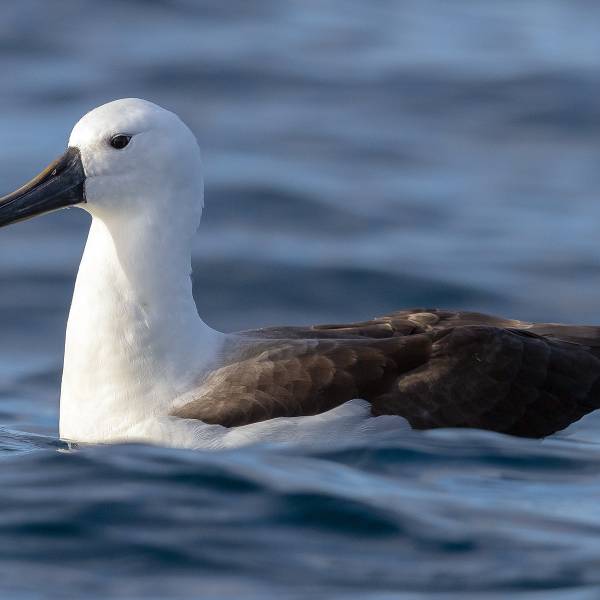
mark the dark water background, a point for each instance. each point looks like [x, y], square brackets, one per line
[360, 157]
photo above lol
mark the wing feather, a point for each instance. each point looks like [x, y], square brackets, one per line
[435, 368]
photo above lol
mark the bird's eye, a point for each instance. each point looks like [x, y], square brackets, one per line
[119, 141]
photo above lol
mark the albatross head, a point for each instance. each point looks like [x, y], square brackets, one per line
[127, 161]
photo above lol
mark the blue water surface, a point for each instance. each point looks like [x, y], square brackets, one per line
[360, 157]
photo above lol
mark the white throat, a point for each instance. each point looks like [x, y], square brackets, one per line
[134, 339]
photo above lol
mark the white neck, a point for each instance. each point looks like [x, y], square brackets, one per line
[134, 338]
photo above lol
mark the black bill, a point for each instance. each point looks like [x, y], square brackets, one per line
[60, 184]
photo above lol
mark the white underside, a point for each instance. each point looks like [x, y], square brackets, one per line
[350, 422]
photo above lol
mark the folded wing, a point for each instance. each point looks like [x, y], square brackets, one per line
[434, 368]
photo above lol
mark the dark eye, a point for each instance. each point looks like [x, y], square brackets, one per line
[119, 141]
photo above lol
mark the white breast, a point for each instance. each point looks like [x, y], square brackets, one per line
[132, 346]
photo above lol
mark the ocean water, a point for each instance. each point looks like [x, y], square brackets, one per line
[360, 157]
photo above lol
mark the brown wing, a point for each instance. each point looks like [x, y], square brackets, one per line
[435, 368]
[421, 320]
[287, 378]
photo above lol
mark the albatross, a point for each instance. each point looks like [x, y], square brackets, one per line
[140, 364]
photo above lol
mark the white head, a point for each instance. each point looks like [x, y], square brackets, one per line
[127, 161]
[140, 162]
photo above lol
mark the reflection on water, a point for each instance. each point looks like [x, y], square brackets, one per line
[360, 157]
